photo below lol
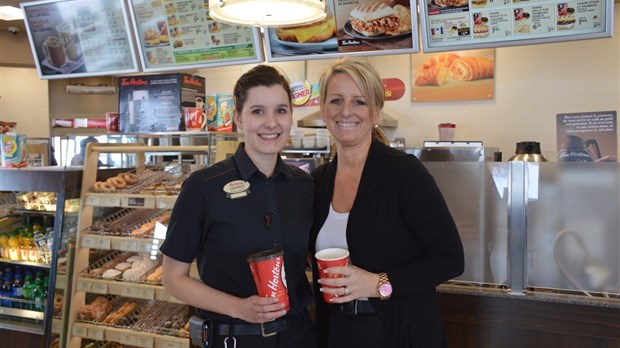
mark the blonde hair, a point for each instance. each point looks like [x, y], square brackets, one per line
[367, 80]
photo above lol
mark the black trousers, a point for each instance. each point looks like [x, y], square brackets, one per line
[299, 333]
[358, 331]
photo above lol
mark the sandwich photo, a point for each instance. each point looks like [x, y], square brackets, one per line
[309, 33]
[451, 3]
[376, 18]
[151, 37]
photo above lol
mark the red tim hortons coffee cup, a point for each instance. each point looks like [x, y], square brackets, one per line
[268, 272]
[112, 121]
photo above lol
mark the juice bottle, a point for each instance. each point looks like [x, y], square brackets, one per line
[4, 245]
[33, 253]
[13, 243]
[6, 290]
[23, 245]
[17, 289]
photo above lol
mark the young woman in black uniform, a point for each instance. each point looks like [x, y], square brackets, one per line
[220, 230]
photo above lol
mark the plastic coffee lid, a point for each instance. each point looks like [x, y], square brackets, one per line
[265, 255]
[447, 125]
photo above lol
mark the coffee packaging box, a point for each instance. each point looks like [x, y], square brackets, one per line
[155, 103]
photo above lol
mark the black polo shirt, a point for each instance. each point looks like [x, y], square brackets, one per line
[221, 232]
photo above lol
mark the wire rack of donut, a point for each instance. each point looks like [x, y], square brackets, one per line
[113, 310]
[131, 222]
[105, 344]
[126, 267]
[151, 180]
[166, 318]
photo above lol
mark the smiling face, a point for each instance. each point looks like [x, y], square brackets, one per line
[265, 119]
[346, 112]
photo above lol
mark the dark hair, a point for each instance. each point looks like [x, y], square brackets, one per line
[85, 142]
[260, 75]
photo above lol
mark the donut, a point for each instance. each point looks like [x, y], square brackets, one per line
[130, 178]
[118, 182]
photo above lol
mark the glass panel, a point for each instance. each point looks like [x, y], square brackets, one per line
[573, 227]
[475, 194]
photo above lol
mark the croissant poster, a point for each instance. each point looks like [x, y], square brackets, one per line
[453, 76]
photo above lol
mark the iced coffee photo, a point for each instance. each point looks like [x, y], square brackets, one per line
[54, 51]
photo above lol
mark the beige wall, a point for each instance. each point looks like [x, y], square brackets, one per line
[533, 84]
[23, 99]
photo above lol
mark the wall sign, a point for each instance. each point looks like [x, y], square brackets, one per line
[464, 24]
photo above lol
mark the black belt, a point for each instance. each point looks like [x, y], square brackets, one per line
[356, 307]
[265, 329]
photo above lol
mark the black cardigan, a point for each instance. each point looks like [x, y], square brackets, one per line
[399, 224]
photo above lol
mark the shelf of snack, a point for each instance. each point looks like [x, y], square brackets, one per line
[37, 224]
[118, 296]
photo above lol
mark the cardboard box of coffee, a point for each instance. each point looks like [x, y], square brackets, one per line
[155, 103]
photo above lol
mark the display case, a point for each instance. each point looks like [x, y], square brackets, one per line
[118, 293]
[38, 220]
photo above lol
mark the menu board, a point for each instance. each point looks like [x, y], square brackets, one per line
[352, 27]
[79, 38]
[448, 25]
[179, 34]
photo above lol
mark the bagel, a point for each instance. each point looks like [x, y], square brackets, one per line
[106, 187]
[118, 182]
[130, 178]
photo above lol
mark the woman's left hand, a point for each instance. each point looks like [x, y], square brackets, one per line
[354, 283]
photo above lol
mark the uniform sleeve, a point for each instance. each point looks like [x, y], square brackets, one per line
[187, 223]
[426, 215]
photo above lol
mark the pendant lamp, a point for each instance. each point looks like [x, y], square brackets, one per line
[267, 13]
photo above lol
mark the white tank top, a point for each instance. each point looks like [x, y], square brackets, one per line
[333, 234]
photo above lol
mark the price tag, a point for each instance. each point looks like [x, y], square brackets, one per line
[144, 246]
[93, 201]
[103, 243]
[147, 294]
[99, 288]
[128, 245]
[89, 242]
[128, 291]
[166, 202]
[168, 344]
[128, 339]
[80, 331]
[135, 202]
[108, 201]
[56, 326]
[146, 342]
[83, 285]
[96, 333]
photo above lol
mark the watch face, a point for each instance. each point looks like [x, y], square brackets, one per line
[385, 289]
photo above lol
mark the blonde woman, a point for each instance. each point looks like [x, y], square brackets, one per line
[385, 208]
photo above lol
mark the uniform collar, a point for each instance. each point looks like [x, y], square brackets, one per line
[247, 168]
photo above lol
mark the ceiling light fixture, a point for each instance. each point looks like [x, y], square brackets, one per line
[10, 13]
[267, 13]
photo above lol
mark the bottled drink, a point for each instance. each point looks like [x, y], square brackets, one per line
[17, 289]
[28, 285]
[6, 290]
[4, 246]
[37, 292]
[23, 245]
[13, 243]
[33, 253]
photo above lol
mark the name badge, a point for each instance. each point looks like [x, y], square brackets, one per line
[237, 189]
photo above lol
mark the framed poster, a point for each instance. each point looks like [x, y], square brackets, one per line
[353, 27]
[453, 76]
[448, 25]
[179, 34]
[79, 38]
[587, 137]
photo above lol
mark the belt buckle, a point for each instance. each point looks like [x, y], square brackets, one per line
[265, 334]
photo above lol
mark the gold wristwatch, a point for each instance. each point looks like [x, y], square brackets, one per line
[384, 288]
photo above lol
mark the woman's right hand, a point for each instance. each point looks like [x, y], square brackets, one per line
[256, 309]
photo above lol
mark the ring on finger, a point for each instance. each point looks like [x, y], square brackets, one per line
[346, 291]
